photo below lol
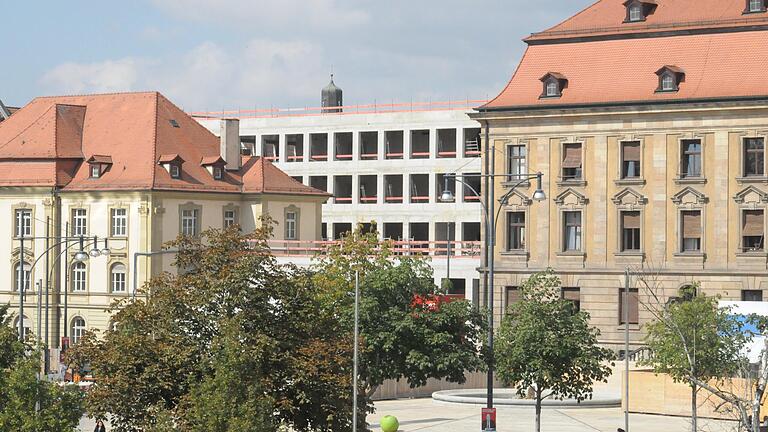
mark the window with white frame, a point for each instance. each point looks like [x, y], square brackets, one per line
[754, 157]
[636, 12]
[230, 218]
[95, 170]
[79, 277]
[755, 5]
[690, 227]
[22, 274]
[516, 161]
[291, 218]
[668, 82]
[118, 278]
[175, 171]
[515, 231]
[572, 231]
[552, 88]
[23, 225]
[119, 222]
[78, 329]
[79, 222]
[189, 222]
[218, 173]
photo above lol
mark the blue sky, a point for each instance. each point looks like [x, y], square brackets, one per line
[229, 54]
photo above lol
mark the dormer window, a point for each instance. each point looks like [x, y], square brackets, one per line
[554, 84]
[218, 173]
[215, 166]
[98, 165]
[670, 78]
[172, 163]
[755, 6]
[639, 10]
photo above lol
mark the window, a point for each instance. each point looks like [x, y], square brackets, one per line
[752, 230]
[218, 173]
[511, 296]
[189, 222]
[668, 82]
[630, 231]
[752, 295]
[572, 161]
[23, 223]
[78, 329]
[630, 160]
[572, 231]
[754, 157]
[119, 222]
[175, 171]
[79, 283]
[79, 222]
[516, 161]
[553, 88]
[290, 225]
[117, 278]
[230, 218]
[690, 158]
[516, 231]
[755, 6]
[691, 231]
[22, 275]
[632, 306]
[636, 12]
[573, 295]
[174, 123]
[95, 171]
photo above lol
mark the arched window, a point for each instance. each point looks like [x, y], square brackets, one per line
[79, 283]
[27, 326]
[78, 329]
[19, 275]
[117, 278]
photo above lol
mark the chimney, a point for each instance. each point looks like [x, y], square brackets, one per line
[230, 143]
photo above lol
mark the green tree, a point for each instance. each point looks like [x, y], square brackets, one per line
[695, 341]
[545, 344]
[233, 332]
[406, 332]
[27, 403]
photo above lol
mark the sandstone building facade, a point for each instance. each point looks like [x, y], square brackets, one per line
[649, 121]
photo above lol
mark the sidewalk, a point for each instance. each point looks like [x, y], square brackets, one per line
[424, 415]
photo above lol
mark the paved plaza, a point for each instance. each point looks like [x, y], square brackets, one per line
[425, 415]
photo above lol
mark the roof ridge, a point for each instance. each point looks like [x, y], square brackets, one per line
[567, 19]
[144, 92]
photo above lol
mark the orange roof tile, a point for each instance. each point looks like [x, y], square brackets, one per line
[622, 69]
[44, 144]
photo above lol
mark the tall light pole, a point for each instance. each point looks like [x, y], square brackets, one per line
[355, 355]
[491, 216]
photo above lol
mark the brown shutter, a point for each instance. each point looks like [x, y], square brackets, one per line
[631, 151]
[753, 223]
[691, 224]
[573, 294]
[513, 296]
[572, 156]
[631, 220]
[632, 307]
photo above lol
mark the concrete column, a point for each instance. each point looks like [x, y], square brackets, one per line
[282, 140]
[433, 143]
[380, 192]
[355, 190]
[381, 148]
[305, 162]
[459, 142]
[258, 149]
[433, 198]
[355, 146]
[406, 144]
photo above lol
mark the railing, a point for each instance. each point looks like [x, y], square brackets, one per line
[639, 354]
[459, 249]
[375, 108]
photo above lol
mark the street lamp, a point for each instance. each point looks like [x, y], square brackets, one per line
[490, 238]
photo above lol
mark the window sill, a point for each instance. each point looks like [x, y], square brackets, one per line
[509, 184]
[577, 183]
[630, 182]
[755, 254]
[689, 254]
[515, 253]
[631, 254]
[632, 327]
[571, 254]
[690, 180]
[752, 179]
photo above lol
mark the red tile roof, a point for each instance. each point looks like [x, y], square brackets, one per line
[606, 65]
[45, 143]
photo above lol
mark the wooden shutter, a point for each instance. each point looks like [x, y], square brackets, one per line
[631, 220]
[631, 151]
[572, 156]
[753, 223]
[633, 306]
[691, 224]
[573, 294]
[513, 296]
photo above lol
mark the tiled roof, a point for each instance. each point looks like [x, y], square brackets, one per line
[46, 142]
[718, 64]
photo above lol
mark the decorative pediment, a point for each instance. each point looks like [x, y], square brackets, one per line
[689, 196]
[570, 197]
[629, 197]
[751, 195]
[517, 198]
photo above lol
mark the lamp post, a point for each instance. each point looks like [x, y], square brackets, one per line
[491, 218]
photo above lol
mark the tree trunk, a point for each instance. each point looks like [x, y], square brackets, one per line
[694, 415]
[538, 409]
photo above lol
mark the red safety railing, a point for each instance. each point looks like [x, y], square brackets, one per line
[459, 249]
[369, 156]
[298, 158]
[344, 156]
[319, 157]
[394, 199]
[419, 199]
[343, 200]
[394, 155]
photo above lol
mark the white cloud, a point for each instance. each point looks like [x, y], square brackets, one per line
[99, 77]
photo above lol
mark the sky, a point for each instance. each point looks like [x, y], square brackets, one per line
[210, 55]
